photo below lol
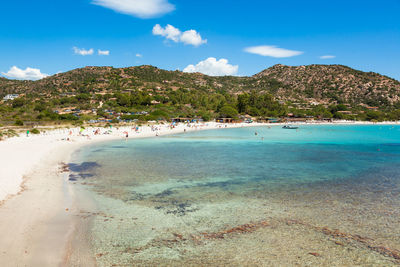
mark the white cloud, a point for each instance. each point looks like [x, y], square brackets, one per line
[213, 67]
[82, 51]
[139, 55]
[169, 32]
[103, 52]
[137, 8]
[190, 37]
[27, 74]
[272, 51]
[327, 57]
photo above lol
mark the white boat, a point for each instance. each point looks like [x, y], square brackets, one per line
[290, 127]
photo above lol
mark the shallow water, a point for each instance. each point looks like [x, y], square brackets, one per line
[319, 195]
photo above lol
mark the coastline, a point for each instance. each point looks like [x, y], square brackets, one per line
[22, 154]
[40, 212]
[40, 219]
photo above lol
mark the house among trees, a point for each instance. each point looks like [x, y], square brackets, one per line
[10, 97]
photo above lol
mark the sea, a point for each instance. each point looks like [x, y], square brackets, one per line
[319, 195]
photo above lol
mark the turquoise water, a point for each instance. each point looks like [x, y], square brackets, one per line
[183, 199]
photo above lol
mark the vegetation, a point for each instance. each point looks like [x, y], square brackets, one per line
[147, 93]
[35, 131]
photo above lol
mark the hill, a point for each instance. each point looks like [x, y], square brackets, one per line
[324, 83]
[314, 90]
[334, 82]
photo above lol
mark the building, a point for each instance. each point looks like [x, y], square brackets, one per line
[225, 120]
[289, 120]
[10, 97]
[272, 120]
[187, 120]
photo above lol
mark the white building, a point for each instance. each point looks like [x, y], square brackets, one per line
[10, 97]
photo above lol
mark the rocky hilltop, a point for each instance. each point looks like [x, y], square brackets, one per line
[334, 82]
[309, 84]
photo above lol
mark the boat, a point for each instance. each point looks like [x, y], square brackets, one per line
[290, 127]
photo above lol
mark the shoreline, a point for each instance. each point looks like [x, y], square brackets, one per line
[42, 208]
[22, 154]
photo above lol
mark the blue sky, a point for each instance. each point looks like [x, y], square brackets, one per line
[228, 37]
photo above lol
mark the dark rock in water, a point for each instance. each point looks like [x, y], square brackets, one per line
[181, 208]
[174, 207]
[137, 196]
[164, 193]
[85, 175]
[73, 177]
[81, 171]
[82, 176]
[118, 147]
[85, 166]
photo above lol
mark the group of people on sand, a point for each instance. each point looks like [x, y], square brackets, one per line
[156, 129]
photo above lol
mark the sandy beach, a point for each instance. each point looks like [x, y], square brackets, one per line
[39, 210]
[38, 221]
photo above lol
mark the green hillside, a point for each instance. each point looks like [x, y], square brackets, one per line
[149, 93]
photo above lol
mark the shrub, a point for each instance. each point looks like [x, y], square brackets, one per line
[35, 131]
[19, 123]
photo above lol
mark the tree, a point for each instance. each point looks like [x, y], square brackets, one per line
[339, 116]
[374, 115]
[228, 112]
[205, 115]
[333, 109]
[19, 102]
[123, 100]
[40, 106]
[83, 97]
[394, 115]
[243, 102]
